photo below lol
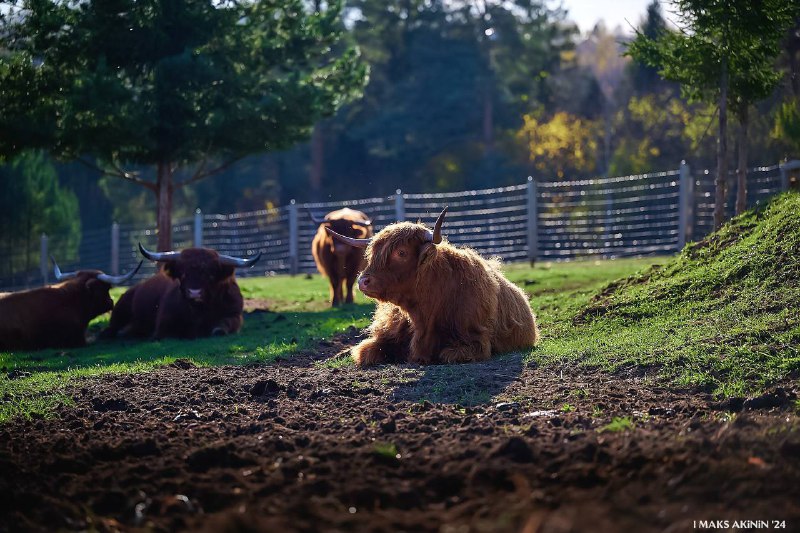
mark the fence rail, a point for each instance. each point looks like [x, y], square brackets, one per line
[552, 220]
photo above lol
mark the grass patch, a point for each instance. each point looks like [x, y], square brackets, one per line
[723, 315]
[618, 424]
[386, 450]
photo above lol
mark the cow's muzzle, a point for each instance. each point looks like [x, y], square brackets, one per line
[366, 285]
[195, 295]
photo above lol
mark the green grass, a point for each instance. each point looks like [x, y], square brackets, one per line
[617, 424]
[723, 315]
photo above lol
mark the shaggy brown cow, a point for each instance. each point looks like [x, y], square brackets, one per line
[438, 303]
[56, 316]
[195, 294]
[340, 262]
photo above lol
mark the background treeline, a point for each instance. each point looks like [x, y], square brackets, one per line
[461, 94]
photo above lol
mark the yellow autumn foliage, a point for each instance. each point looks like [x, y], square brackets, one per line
[560, 146]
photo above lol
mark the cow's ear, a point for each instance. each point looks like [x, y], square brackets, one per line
[171, 269]
[426, 251]
[227, 271]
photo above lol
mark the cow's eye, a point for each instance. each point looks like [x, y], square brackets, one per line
[401, 253]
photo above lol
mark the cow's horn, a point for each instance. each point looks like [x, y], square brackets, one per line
[358, 243]
[362, 223]
[158, 256]
[238, 262]
[315, 218]
[61, 276]
[435, 236]
[116, 280]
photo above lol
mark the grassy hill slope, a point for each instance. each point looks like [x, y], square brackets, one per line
[724, 314]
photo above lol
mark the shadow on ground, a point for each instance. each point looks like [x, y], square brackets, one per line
[466, 384]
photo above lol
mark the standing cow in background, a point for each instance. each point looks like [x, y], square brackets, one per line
[438, 303]
[338, 261]
[56, 316]
[195, 294]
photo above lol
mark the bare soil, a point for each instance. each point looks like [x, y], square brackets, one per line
[301, 446]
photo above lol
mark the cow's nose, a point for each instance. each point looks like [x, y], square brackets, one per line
[195, 294]
[363, 283]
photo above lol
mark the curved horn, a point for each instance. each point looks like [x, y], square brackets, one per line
[61, 276]
[315, 218]
[116, 280]
[435, 236]
[158, 256]
[358, 243]
[238, 262]
[362, 223]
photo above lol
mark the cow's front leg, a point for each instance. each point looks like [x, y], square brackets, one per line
[465, 352]
[227, 325]
[389, 340]
[372, 352]
[424, 348]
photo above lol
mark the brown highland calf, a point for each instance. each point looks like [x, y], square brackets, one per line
[438, 303]
[195, 294]
[338, 261]
[56, 316]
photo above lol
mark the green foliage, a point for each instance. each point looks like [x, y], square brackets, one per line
[146, 82]
[734, 35]
[31, 203]
[645, 78]
[787, 123]
[186, 87]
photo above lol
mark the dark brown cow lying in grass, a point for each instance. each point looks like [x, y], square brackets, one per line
[438, 303]
[194, 295]
[56, 316]
[338, 261]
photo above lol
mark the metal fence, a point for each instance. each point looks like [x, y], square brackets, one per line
[550, 220]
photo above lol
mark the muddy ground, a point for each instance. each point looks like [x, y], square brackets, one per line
[298, 445]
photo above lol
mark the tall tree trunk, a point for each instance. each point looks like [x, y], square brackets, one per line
[317, 161]
[488, 118]
[164, 202]
[607, 120]
[722, 149]
[741, 171]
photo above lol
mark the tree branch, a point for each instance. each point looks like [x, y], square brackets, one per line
[200, 174]
[119, 173]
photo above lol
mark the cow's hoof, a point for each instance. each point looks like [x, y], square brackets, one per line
[218, 332]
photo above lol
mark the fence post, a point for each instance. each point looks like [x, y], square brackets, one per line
[293, 238]
[43, 259]
[115, 249]
[533, 221]
[198, 228]
[785, 167]
[399, 206]
[685, 206]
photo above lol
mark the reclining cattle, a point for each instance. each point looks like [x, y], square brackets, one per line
[195, 294]
[437, 303]
[56, 316]
[340, 262]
